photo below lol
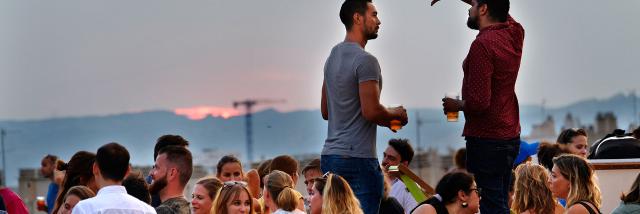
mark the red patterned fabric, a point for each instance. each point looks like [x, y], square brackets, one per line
[488, 88]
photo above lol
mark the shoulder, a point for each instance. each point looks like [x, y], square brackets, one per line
[559, 209]
[424, 209]
[577, 209]
[366, 57]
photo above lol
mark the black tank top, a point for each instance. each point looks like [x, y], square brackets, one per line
[587, 205]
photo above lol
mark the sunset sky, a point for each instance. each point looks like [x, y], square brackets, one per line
[74, 58]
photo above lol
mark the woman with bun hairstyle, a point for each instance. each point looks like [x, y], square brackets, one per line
[279, 194]
[77, 172]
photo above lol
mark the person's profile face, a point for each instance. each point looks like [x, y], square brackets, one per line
[371, 22]
[558, 184]
[200, 200]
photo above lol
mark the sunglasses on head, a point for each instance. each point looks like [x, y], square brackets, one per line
[233, 183]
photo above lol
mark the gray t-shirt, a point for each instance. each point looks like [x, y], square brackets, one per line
[349, 133]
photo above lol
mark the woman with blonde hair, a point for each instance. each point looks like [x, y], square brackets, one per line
[574, 180]
[337, 196]
[279, 194]
[233, 198]
[531, 192]
[73, 196]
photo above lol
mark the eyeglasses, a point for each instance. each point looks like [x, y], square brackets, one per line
[233, 183]
[477, 189]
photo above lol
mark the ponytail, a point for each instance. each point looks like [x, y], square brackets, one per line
[288, 199]
[279, 185]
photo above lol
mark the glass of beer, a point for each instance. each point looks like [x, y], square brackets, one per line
[40, 204]
[453, 115]
[395, 125]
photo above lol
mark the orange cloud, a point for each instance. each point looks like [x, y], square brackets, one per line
[201, 112]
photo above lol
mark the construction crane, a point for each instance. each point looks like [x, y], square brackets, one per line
[248, 104]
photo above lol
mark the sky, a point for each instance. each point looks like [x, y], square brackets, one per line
[76, 58]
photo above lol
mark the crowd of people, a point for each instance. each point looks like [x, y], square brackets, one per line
[104, 182]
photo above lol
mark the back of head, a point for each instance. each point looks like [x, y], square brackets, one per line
[181, 158]
[229, 192]
[263, 169]
[546, 152]
[81, 192]
[168, 140]
[633, 196]
[286, 164]
[113, 161]
[581, 178]
[498, 9]
[212, 185]
[78, 171]
[350, 7]
[531, 191]
[137, 187]
[460, 158]
[280, 186]
[403, 148]
[338, 197]
[452, 183]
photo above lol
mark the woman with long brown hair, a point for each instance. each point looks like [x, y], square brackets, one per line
[574, 180]
[73, 196]
[531, 191]
[77, 172]
[233, 198]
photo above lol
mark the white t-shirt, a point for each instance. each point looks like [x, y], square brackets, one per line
[400, 192]
[113, 199]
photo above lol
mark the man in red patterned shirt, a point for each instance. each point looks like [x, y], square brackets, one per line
[489, 102]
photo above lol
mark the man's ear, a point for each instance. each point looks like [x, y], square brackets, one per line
[483, 10]
[95, 169]
[357, 18]
[406, 163]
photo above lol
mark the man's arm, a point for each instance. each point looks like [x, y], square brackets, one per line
[373, 111]
[323, 102]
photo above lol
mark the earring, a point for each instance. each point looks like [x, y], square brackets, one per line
[464, 205]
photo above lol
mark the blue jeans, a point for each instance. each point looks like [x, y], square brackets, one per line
[491, 162]
[363, 175]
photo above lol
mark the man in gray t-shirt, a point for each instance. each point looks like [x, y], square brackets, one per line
[351, 104]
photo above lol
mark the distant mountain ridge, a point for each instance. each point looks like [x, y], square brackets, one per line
[275, 133]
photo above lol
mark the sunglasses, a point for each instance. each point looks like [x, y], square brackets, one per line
[234, 183]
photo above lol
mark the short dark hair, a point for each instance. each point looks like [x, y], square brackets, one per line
[168, 140]
[284, 163]
[51, 158]
[546, 152]
[181, 157]
[498, 9]
[568, 134]
[113, 161]
[137, 187]
[263, 169]
[313, 165]
[225, 160]
[349, 7]
[403, 148]
[460, 158]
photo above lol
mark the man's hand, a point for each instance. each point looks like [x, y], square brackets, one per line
[400, 113]
[452, 105]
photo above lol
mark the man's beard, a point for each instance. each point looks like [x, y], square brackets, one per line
[371, 35]
[158, 185]
[472, 22]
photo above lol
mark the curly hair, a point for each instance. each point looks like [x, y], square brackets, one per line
[531, 191]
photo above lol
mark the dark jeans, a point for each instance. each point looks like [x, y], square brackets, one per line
[363, 175]
[491, 162]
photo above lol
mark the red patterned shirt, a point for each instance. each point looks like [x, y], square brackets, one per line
[488, 88]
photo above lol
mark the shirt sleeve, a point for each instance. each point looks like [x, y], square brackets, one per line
[367, 68]
[476, 85]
